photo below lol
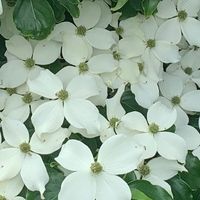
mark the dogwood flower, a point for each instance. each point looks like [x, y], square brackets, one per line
[19, 158]
[24, 63]
[159, 169]
[70, 103]
[9, 189]
[180, 19]
[97, 179]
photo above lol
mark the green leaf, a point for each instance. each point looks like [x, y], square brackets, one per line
[180, 189]
[149, 6]
[34, 18]
[59, 10]
[138, 195]
[71, 6]
[120, 4]
[154, 192]
[192, 177]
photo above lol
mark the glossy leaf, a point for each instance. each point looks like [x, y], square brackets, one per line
[149, 6]
[154, 192]
[180, 189]
[34, 18]
[138, 195]
[120, 4]
[71, 6]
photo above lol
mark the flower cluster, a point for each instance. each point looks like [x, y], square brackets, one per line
[101, 58]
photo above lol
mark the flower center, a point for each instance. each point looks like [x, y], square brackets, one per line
[141, 66]
[151, 43]
[144, 170]
[83, 67]
[116, 55]
[182, 15]
[96, 167]
[114, 122]
[188, 70]
[11, 91]
[29, 63]
[81, 30]
[153, 128]
[27, 98]
[119, 30]
[25, 147]
[176, 100]
[62, 95]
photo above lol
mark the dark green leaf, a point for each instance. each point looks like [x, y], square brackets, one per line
[180, 189]
[149, 6]
[120, 4]
[192, 177]
[152, 191]
[59, 10]
[138, 195]
[34, 18]
[71, 6]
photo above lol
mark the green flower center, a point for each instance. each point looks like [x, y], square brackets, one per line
[176, 100]
[27, 98]
[29, 63]
[153, 128]
[11, 91]
[141, 66]
[25, 147]
[96, 167]
[116, 55]
[182, 15]
[81, 30]
[151, 43]
[114, 122]
[119, 30]
[188, 70]
[62, 95]
[83, 67]
[144, 170]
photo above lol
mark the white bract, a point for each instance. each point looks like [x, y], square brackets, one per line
[96, 179]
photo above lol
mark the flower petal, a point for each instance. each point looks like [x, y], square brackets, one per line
[49, 142]
[88, 9]
[171, 146]
[75, 156]
[45, 84]
[13, 74]
[119, 155]
[111, 187]
[162, 115]
[46, 52]
[38, 178]
[8, 156]
[100, 38]
[19, 46]
[84, 181]
[14, 132]
[48, 117]
[82, 114]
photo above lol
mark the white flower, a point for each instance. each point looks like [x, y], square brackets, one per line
[154, 136]
[70, 103]
[16, 71]
[97, 179]
[9, 189]
[181, 19]
[158, 170]
[19, 158]
[1, 8]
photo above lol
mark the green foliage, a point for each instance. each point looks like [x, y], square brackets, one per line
[71, 6]
[180, 189]
[149, 6]
[34, 18]
[120, 4]
[138, 195]
[153, 192]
